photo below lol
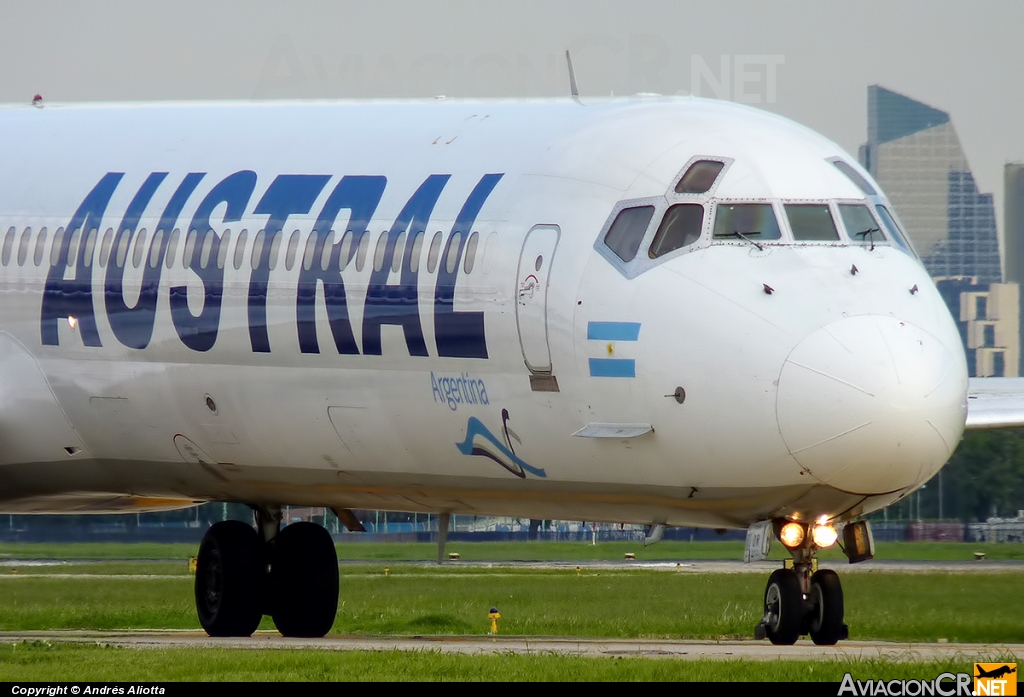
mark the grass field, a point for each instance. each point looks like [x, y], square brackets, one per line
[129, 586]
[149, 586]
[424, 599]
[35, 661]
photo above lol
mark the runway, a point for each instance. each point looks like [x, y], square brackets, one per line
[568, 646]
[13, 568]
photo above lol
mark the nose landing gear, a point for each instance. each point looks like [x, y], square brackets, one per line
[801, 599]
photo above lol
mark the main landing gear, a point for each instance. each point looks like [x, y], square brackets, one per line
[802, 599]
[290, 574]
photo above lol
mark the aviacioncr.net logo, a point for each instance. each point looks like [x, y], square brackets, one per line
[945, 685]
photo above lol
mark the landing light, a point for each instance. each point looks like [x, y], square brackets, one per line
[824, 535]
[72, 322]
[792, 534]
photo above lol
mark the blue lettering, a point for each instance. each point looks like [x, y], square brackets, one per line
[199, 332]
[460, 334]
[359, 194]
[399, 304]
[288, 194]
[118, 313]
[133, 326]
[453, 391]
[62, 297]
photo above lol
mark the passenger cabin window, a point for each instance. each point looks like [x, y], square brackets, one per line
[811, 222]
[293, 245]
[55, 247]
[860, 224]
[627, 231]
[108, 237]
[90, 245]
[26, 239]
[345, 251]
[433, 252]
[154, 249]
[172, 248]
[397, 253]
[680, 228]
[470, 261]
[239, 249]
[699, 177]
[746, 220]
[417, 248]
[40, 251]
[139, 249]
[8, 246]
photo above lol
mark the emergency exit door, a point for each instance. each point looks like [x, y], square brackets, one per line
[532, 296]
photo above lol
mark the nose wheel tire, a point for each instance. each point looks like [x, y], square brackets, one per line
[230, 573]
[783, 607]
[826, 599]
[304, 581]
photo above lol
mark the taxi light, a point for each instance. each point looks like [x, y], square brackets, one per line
[824, 535]
[792, 534]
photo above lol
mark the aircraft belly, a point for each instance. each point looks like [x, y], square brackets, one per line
[117, 486]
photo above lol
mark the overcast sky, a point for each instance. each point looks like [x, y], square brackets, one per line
[809, 61]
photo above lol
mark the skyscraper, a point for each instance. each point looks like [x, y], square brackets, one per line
[914, 153]
[1013, 230]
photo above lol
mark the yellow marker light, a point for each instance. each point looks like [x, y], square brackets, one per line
[824, 535]
[792, 534]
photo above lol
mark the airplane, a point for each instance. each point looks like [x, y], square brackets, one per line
[651, 310]
[995, 672]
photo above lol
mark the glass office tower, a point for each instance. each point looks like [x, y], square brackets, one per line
[914, 153]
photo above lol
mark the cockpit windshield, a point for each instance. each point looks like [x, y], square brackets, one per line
[861, 226]
[894, 230]
[811, 222]
[746, 220]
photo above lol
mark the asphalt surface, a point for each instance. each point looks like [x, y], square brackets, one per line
[569, 646]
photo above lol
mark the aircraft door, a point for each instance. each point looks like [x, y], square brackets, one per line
[532, 296]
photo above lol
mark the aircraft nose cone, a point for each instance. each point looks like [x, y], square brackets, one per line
[871, 404]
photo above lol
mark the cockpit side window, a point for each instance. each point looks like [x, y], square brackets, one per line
[699, 177]
[746, 220]
[854, 176]
[894, 230]
[811, 222]
[860, 224]
[680, 228]
[627, 231]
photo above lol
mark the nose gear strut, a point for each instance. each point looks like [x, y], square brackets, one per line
[801, 599]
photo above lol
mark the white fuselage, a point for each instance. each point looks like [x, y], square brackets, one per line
[206, 319]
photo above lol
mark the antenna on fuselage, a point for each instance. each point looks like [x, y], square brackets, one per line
[573, 89]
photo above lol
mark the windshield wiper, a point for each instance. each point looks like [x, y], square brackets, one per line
[743, 236]
[869, 233]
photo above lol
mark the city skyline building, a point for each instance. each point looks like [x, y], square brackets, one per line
[1013, 231]
[987, 316]
[914, 153]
